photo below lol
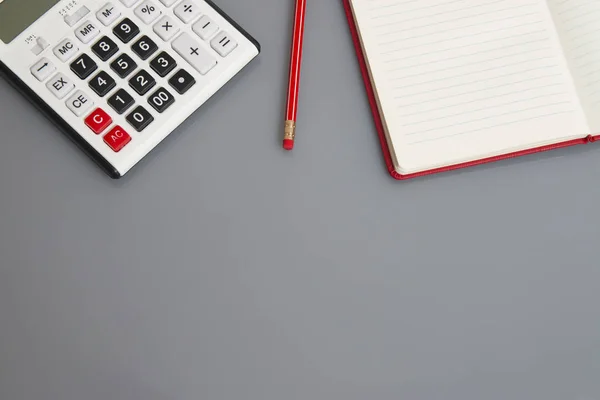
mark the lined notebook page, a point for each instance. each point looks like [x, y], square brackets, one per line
[579, 31]
[459, 80]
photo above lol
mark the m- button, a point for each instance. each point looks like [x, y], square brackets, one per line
[87, 31]
[65, 50]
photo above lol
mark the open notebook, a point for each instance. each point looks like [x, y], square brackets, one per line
[455, 83]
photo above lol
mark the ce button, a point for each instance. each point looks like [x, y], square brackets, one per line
[79, 103]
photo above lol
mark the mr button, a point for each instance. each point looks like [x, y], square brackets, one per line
[87, 31]
[79, 103]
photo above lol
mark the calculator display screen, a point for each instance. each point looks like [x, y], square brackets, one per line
[17, 15]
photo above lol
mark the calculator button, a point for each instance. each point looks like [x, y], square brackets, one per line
[87, 31]
[126, 30]
[129, 3]
[139, 118]
[108, 14]
[117, 138]
[40, 45]
[223, 44]
[205, 27]
[194, 53]
[147, 12]
[168, 3]
[60, 85]
[42, 69]
[161, 100]
[98, 121]
[182, 81]
[123, 65]
[65, 50]
[144, 47]
[187, 10]
[83, 66]
[163, 64]
[166, 28]
[105, 48]
[142, 82]
[102, 83]
[79, 103]
[121, 101]
[76, 16]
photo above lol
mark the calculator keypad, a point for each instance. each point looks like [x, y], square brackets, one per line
[194, 53]
[66, 50]
[144, 47]
[148, 12]
[98, 121]
[60, 85]
[87, 32]
[187, 11]
[126, 30]
[205, 27]
[142, 82]
[161, 100]
[102, 83]
[83, 66]
[121, 101]
[108, 14]
[105, 48]
[42, 69]
[140, 118]
[117, 138]
[182, 81]
[202, 45]
[79, 103]
[163, 64]
[166, 28]
[123, 65]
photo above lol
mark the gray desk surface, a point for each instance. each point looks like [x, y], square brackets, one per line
[226, 272]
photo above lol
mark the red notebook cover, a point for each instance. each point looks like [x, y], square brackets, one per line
[380, 130]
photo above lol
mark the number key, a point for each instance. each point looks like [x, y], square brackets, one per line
[123, 65]
[142, 82]
[161, 100]
[105, 48]
[102, 83]
[163, 64]
[126, 30]
[144, 47]
[83, 66]
[140, 118]
[121, 101]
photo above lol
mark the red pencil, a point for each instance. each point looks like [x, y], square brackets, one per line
[295, 67]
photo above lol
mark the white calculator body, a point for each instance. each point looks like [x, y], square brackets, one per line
[118, 76]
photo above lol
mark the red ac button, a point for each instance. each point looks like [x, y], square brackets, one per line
[117, 138]
[98, 121]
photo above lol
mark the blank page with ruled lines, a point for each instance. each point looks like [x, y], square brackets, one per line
[462, 80]
[579, 31]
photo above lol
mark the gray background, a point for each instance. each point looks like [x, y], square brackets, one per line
[225, 268]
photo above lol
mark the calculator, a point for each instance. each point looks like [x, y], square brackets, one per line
[118, 77]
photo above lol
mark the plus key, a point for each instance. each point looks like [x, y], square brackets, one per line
[194, 53]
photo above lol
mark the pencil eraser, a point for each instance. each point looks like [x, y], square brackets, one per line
[288, 144]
